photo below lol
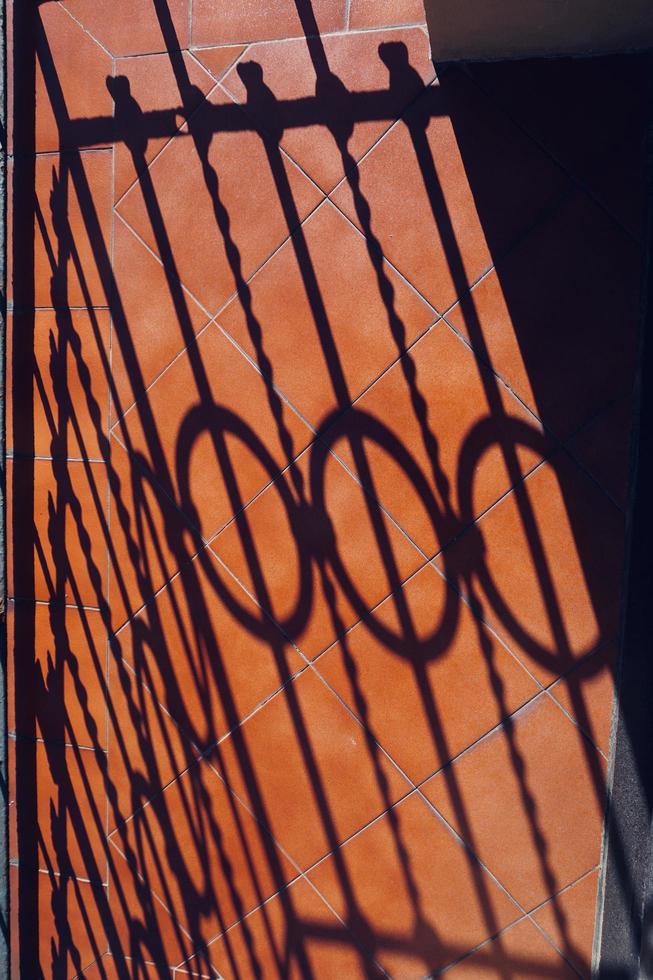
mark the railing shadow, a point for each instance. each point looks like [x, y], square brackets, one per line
[135, 618]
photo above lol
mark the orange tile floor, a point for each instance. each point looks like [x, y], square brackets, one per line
[321, 361]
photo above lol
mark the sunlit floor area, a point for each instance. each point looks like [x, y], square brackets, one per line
[321, 361]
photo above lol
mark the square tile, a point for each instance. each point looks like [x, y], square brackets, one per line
[332, 781]
[322, 328]
[213, 432]
[71, 73]
[146, 748]
[150, 326]
[529, 800]
[520, 952]
[58, 367]
[470, 180]
[316, 551]
[238, 216]
[438, 439]
[568, 920]
[208, 653]
[293, 936]
[356, 89]
[557, 318]
[73, 208]
[126, 28]
[202, 854]
[59, 692]
[148, 85]
[59, 511]
[255, 21]
[543, 568]
[409, 891]
[424, 676]
[379, 13]
[64, 808]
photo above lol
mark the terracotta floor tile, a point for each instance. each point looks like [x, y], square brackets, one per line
[366, 82]
[143, 929]
[294, 935]
[210, 433]
[325, 331]
[608, 158]
[603, 448]
[150, 539]
[587, 693]
[209, 663]
[71, 72]
[442, 671]
[250, 206]
[330, 784]
[564, 343]
[521, 953]
[408, 890]
[63, 556]
[149, 85]
[569, 922]
[254, 21]
[423, 429]
[59, 382]
[319, 563]
[107, 969]
[529, 801]
[379, 13]
[480, 172]
[471, 181]
[58, 693]
[201, 852]
[149, 328]
[125, 29]
[544, 566]
[218, 61]
[65, 805]
[146, 749]
[73, 201]
[49, 900]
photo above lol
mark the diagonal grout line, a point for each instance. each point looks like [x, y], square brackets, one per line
[577, 181]
[151, 891]
[85, 29]
[561, 444]
[204, 756]
[225, 71]
[158, 259]
[180, 129]
[390, 124]
[502, 932]
[355, 717]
